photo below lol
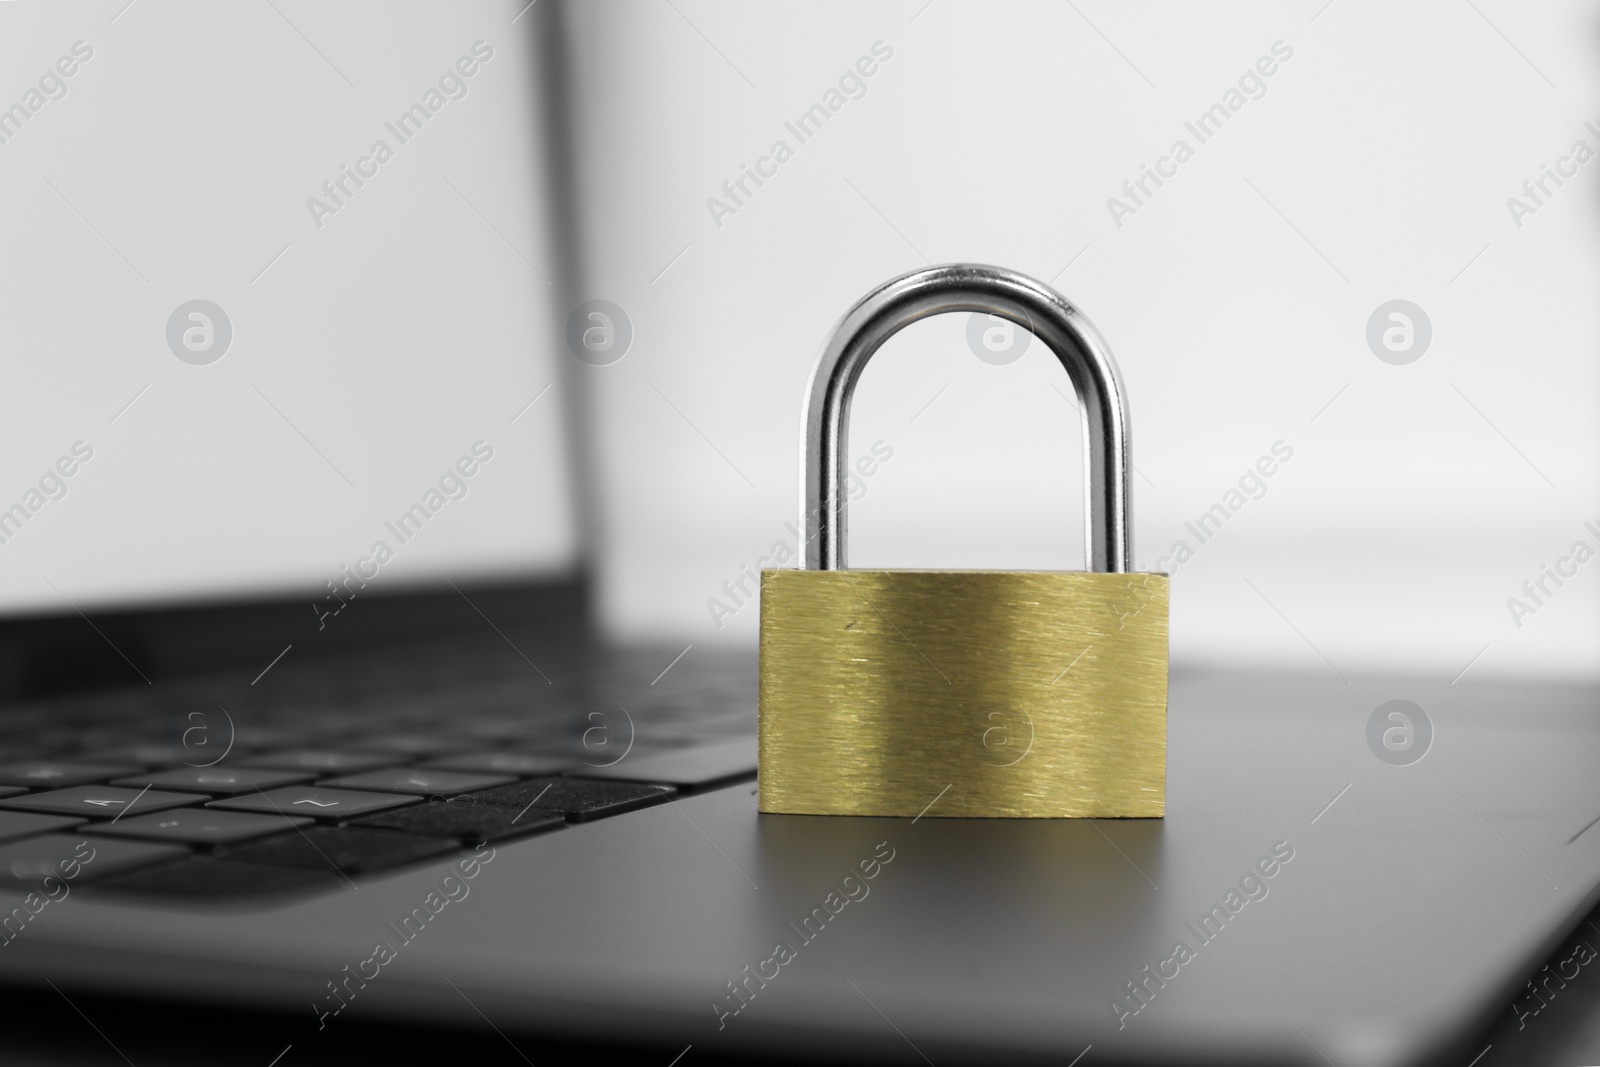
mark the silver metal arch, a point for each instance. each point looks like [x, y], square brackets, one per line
[969, 287]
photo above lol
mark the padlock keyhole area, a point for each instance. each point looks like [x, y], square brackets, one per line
[964, 462]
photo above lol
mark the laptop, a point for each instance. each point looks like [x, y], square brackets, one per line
[326, 739]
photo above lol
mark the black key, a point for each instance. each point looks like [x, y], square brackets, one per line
[198, 826]
[410, 745]
[717, 729]
[15, 825]
[324, 761]
[471, 823]
[699, 766]
[147, 755]
[57, 743]
[516, 763]
[343, 848]
[596, 753]
[312, 800]
[569, 744]
[500, 729]
[46, 774]
[77, 859]
[11, 791]
[579, 799]
[70, 746]
[98, 801]
[577, 750]
[420, 781]
[218, 781]
[248, 737]
[535, 724]
[206, 878]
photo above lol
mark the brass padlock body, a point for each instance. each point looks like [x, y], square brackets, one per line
[963, 693]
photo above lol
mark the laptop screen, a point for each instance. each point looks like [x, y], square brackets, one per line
[277, 303]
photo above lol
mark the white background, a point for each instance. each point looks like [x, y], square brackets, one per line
[1377, 166]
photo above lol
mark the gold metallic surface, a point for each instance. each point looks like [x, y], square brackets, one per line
[963, 693]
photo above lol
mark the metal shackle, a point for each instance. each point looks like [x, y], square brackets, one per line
[971, 287]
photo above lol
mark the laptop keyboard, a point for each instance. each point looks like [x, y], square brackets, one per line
[344, 768]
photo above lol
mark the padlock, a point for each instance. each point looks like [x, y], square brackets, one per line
[964, 693]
